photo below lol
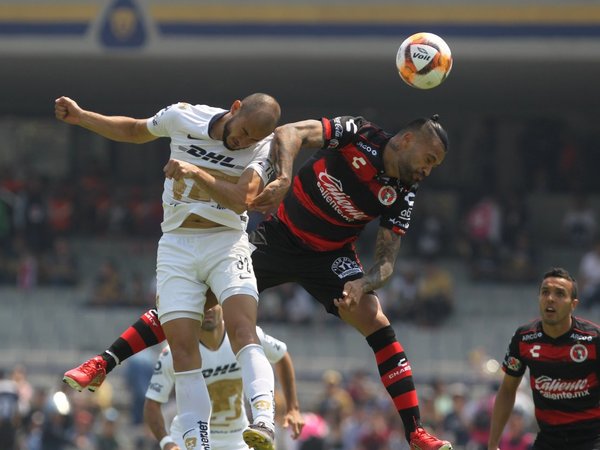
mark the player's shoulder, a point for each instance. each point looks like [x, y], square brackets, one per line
[585, 327]
[199, 111]
[530, 330]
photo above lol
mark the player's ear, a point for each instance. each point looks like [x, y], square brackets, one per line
[235, 107]
[407, 138]
[574, 303]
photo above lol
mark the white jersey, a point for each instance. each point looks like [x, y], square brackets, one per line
[223, 376]
[187, 126]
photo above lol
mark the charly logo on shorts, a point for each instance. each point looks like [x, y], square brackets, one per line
[387, 195]
[344, 267]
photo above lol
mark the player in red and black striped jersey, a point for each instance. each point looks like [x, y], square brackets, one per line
[361, 173]
[562, 353]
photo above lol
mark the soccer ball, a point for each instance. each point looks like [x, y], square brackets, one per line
[424, 60]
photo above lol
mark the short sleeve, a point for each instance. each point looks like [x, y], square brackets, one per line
[513, 363]
[163, 378]
[162, 123]
[274, 348]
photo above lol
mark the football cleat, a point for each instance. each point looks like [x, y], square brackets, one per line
[89, 375]
[422, 440]
[259, 437]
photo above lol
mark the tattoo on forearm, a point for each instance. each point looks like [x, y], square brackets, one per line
[387, 247]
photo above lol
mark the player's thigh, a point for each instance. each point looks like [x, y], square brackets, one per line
[274, 258]
[326, 273]
[177, 285]
[231, 272]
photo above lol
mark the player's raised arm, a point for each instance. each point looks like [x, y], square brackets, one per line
[284, 369]
[287, 141]
[116, 128]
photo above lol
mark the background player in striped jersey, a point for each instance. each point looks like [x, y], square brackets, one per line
[223, 378]
[562, 353]
[219, 162]
[360, 173]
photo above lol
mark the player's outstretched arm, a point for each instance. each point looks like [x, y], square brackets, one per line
[116, 128]
[287, 141]
[234, 196]
[154, 419]
[284, 369]
[503, 406]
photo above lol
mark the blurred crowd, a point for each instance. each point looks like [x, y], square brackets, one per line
[42, 217]
[348, 412]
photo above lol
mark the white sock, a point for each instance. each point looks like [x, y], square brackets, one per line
[193, 406]
[259, 383]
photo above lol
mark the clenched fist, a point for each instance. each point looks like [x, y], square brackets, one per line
[67, 110]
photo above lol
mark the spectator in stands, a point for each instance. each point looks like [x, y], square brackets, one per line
[400, 294]
[334, 398]
[60, 265]
[431, 234]
[108, 288]
[520, 260]
[515, 218]
[9, 412]
[456, 421]
[61, 209]
[517, 435]
[106, 438]
[483, 224]
[579, 222]
[137, 292]
[589, 276]
[434, 300]
[435, 297]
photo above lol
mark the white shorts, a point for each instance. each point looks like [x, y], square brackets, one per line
[228, 441]
[190, 261]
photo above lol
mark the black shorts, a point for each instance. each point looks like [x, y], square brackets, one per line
[571, 441]
[280, 258]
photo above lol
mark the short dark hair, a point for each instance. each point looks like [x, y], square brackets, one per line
[431, 125]
[559, 272]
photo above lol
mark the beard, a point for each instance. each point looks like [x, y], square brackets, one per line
[226, 133]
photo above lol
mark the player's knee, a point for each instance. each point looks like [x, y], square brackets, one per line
[242, 335]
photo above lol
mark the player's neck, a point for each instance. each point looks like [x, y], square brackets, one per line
[214, 338]
[558, 329]
[216, 129]
[389, 163]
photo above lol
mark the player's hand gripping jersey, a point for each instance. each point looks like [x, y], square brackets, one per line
[223, 376]
[342, 187]
[188, 127]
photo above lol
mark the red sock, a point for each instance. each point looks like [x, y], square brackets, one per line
[396, 376]
[144, 333]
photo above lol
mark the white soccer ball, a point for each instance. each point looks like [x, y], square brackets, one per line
[424, 60]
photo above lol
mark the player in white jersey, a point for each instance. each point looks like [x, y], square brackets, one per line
[219, 164]
[222, 374]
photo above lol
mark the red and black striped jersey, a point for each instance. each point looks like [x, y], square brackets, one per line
[563, 374]
[342, 188]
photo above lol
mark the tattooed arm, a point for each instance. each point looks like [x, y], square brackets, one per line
[387, 247]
